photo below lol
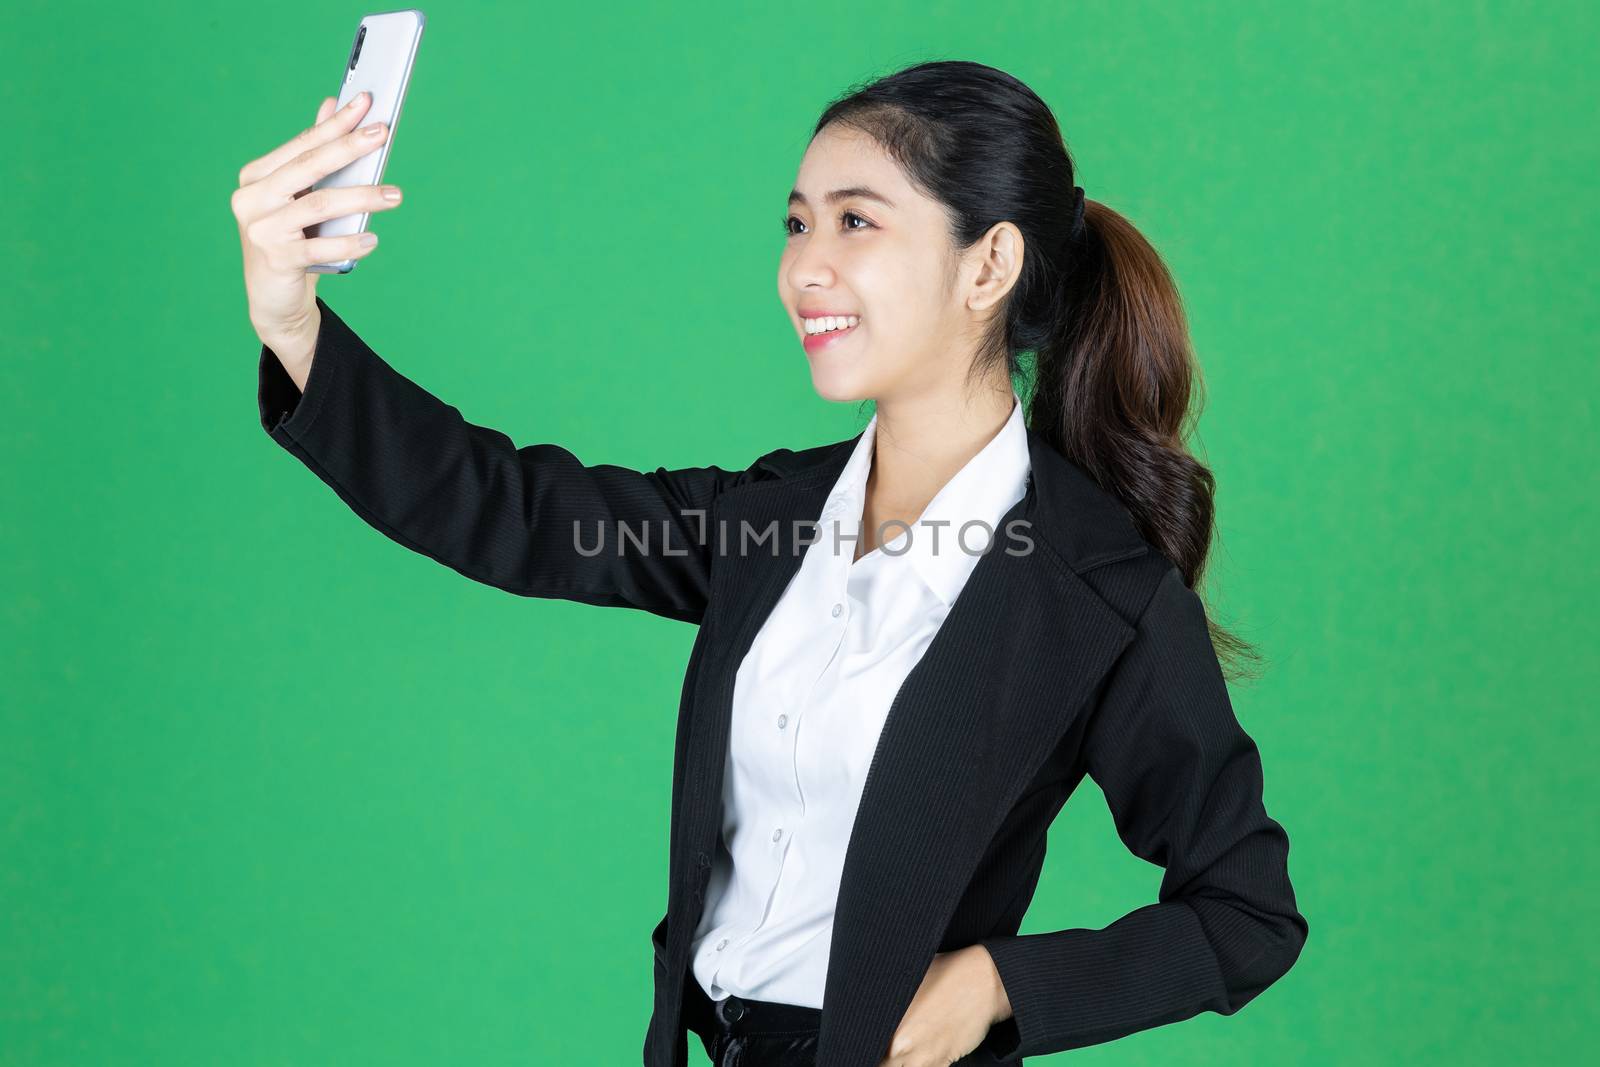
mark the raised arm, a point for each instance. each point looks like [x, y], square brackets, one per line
[1184, 785]
[528, 520]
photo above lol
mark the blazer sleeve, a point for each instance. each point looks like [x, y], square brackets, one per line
[533, 520]
[1184, 785]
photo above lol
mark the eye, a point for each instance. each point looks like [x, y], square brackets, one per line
[788, 220]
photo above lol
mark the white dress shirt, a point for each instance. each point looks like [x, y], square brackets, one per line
[810, 699]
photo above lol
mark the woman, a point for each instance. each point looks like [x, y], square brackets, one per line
[866, 767]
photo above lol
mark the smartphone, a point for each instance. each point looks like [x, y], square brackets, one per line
[380, 63]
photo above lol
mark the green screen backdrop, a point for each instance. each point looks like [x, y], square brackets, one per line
[275, 790]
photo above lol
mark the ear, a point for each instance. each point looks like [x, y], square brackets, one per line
[997, 259]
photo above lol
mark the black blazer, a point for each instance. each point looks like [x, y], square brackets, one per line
[1085, 654]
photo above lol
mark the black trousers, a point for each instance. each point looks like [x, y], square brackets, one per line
[739, 1032]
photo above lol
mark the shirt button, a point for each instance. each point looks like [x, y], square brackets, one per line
[722, 944]
[836, 609]
[783, 720]
[777, 833]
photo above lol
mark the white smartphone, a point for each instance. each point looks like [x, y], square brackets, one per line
[380, 63]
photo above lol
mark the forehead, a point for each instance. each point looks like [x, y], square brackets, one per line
[843, 158]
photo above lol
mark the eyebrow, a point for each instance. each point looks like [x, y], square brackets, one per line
[853, 192]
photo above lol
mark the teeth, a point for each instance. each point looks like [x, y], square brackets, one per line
[829, 323]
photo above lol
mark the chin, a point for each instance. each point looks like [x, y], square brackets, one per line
[843, 377]
[840, 387]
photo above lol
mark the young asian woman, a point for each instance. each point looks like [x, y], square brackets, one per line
[913, 643]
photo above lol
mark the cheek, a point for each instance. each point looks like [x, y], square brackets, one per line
[899, 309]
[880, 286]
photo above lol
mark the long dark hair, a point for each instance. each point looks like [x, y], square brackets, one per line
[1094, 320]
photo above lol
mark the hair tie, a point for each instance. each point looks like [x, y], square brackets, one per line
[1077, 213]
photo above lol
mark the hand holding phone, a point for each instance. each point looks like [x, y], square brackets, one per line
[380, 63]
[282, 203]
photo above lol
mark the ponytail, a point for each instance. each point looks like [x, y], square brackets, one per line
[1112, 392]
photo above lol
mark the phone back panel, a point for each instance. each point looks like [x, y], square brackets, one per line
[388, 47]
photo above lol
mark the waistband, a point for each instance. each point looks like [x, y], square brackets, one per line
[741, 1016]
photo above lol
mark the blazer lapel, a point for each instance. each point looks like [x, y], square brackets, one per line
[747, 580]
[1011, 667]
[1009, 670]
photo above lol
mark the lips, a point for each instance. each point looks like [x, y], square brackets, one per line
[816, 342]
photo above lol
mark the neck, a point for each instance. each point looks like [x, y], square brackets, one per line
[921, 441]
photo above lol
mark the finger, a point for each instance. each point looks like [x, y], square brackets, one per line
[309, 166]
[323, 131]
[325, 110]
[330, 249]
[323, 204]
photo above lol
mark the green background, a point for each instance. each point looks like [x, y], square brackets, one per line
[277, 791]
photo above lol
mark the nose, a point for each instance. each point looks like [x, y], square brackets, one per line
[809, 266]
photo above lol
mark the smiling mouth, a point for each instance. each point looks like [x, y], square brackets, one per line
[815, 341]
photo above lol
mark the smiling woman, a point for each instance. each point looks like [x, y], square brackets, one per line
[935, 229]
[935, 247]
[872, 743]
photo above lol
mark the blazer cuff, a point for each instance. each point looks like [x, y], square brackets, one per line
[1078, 987]
[283, 409]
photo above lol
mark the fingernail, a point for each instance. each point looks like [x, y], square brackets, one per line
[373, 130]
[368, 240]
[351, 106]
[391, 192]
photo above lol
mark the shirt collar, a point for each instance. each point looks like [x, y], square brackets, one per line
[984, 489]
